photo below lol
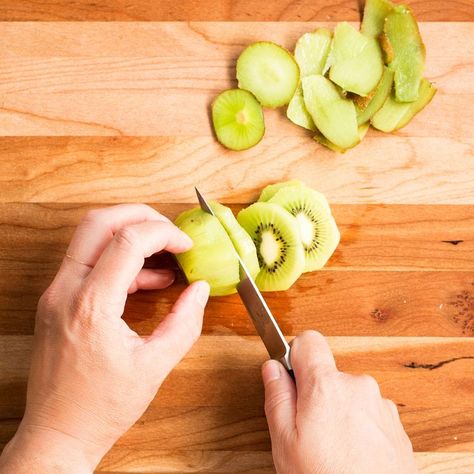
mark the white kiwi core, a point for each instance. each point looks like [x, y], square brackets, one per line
[269, 248]
[306, 229]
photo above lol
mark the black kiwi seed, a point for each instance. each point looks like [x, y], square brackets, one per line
[278, 237]
[308, 213]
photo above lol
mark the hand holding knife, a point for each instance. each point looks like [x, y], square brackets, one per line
[263, 319]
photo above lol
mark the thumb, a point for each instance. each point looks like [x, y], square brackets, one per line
[176, 334]
[280, 398]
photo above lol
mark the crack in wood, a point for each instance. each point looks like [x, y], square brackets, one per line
[452, 242]
[415, 365]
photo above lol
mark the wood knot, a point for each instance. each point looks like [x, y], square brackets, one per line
[379, 315]
[463, 311]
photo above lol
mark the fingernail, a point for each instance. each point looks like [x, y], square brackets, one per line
[164, 272]
[201, 292]
[187, 240]
[270, 371]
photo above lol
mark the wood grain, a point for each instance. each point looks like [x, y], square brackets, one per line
[253, 462]
[241, 10]
[94, 113]
[430, 379]
[166, 90]
[166, 169]
[377, 243]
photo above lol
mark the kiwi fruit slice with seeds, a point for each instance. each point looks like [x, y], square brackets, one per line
[212, 257]
[238, 120]
[317, 228]
[242, 242]
[275, 234]
[269, 191]
[269, 71]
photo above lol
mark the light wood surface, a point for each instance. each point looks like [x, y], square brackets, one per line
[112, 107]
[237, 10]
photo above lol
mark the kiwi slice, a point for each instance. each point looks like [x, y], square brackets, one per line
[322, 140]
[334, 116]
[268, 71]
[238, 119]
[394, 115]
[375, 12]
[312, 50]
[366, 109]
[212, 257]
[276, 236]
[241, 241]
[405, 52]
[298, 113]
[357, 64]
[269, 191]
[318, 231]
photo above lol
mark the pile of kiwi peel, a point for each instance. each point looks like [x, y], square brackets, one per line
[336, 84]
[288, 231]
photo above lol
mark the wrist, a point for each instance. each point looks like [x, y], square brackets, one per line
[38, 449]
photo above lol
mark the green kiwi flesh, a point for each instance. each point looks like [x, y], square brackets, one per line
[298, 113]
[241, 241]
[322, 140]
[238, 119]
[212, 257]
[405, 52]
[334, 116]
[365, 110]
[269, 191]
[375, 12]
[318, 231]
[312, 50]
[356, 60]
[269, 71]
[275, 234]
[394, 115]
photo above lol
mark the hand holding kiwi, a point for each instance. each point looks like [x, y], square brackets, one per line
[290, 230]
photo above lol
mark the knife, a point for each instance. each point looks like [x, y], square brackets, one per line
[262, 318]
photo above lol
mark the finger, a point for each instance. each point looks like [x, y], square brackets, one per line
[152, 279]
[119, 264]
[98, 227]
[173, 338]
[310, 357]
[280, 398]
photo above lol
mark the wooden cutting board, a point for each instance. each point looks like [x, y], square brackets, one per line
[94, 113]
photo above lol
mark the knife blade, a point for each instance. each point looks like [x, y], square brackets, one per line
[262, 318]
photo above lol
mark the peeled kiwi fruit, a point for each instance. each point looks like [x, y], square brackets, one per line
[290, 230]
[275, 234]
[212, 257]
[269, 191]
[241, 241]
[318, 232]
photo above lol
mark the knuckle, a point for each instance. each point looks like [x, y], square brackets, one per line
[92, 216]
[127, 237]
[311, 336]
[369, 383]
[84, 303]
[275, 400]
[47, 300]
